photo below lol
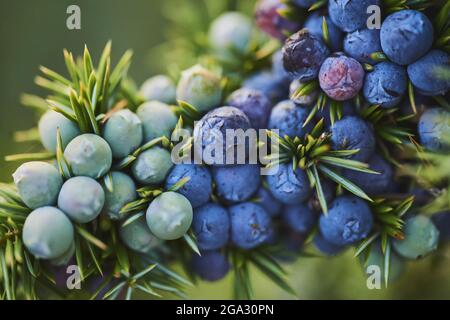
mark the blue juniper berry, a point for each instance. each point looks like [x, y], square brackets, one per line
[211, 225]
[349, 220]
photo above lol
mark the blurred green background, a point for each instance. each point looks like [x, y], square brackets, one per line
[34, 33]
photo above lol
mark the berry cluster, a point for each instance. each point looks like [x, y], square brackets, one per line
[341, 100]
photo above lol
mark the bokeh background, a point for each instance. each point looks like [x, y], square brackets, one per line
[33, 33]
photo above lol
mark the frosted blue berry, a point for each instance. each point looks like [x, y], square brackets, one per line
[360, 44]
[299, 218]
[123, 132]
[350, 15]
[123, 192]
[199, 187]
[421, 238]
[341, 77]
[152, 166]
[326, 247]
[250, 225]
[38, 183]
[303, 54]
[289, 118]
[289, 186]
[353, 133]
[200, 88]
[268, 202]
[349, 220]
[373, 184]
[427, 73]
[230, 32]
[48, 125]
[89, 155]
[406, 36]
[254, 104]
[81, 198]
[169, 216]
[385, 85]
[237, 183]
[274, 86]
[157, 120]
[211, 265]
[434, 129]
[314, 25]
[137, 236]
[210, 135]
[211, 226]
[159, 88]
[47, 233]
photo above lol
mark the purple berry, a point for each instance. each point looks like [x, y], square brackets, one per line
[341, 77]
[303, 54]
[271, 22]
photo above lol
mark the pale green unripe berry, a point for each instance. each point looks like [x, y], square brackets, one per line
[65, 258]
[230, 32]
[124, 191]
[152, 166]
[200, 88]
[157, 120]
[123, 132]
[38, 183]
[48, 128]
[421, 238]
[169, 216]
[89, 155]
[47, 233]
[81, 198]
[160, 88]
[138, 237]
